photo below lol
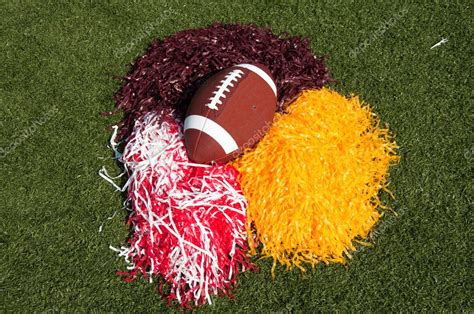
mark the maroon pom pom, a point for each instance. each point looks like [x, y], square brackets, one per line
[172, 69]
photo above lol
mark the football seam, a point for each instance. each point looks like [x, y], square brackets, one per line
[232, 76]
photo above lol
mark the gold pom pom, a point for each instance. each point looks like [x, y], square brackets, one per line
[313, 181]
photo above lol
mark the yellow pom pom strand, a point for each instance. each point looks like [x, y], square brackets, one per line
[313, 181]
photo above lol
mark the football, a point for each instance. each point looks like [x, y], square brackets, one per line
[230, 112]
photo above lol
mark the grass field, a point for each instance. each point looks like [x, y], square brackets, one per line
[58, 60]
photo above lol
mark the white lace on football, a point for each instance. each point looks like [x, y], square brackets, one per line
[233, 76]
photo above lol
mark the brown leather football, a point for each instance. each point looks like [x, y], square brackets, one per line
[230, 112]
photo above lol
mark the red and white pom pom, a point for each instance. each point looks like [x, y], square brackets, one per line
[188, 220]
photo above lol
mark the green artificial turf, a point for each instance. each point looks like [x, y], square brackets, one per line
[58, 59]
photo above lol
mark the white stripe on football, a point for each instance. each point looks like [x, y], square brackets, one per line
[260, 73]
[214, 130]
